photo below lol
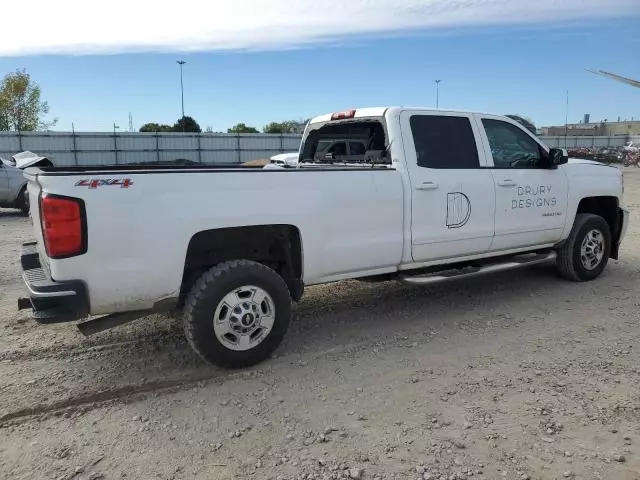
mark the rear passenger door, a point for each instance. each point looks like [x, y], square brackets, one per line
[452, 197]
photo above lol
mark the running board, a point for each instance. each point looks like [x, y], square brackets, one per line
[511, 264]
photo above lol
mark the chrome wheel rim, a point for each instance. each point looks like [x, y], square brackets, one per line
[244, 318]
[592, 249]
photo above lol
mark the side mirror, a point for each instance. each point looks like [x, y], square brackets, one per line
[558, 156]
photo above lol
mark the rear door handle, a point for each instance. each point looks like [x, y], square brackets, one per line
[426, 186]
[507, 182]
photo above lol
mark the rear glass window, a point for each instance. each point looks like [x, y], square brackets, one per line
[444, 142]
[344, 142]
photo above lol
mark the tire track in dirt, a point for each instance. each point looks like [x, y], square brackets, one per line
[93, 400]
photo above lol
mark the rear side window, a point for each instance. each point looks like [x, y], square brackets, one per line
[444, 142]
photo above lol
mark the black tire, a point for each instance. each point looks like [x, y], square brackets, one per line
[22, 202]
[569, 261]
[208, 292]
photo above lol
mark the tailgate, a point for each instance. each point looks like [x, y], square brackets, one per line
[33, 189]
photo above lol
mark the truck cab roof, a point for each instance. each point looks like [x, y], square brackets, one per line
[381, 111]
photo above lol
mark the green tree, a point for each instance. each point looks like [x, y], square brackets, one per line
[280, 127]
[20, 106]
[155, 127]
[525, 122]
[187, 124]
[242, 128]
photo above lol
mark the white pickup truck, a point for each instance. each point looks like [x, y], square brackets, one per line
[437, 195]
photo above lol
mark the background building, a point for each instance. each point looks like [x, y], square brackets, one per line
[592, 129]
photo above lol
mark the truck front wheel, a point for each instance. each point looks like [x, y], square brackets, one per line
[237, 313]
[585, 254]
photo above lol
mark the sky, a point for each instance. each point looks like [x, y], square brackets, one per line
[256, 61]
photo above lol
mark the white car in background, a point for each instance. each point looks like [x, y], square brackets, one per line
[12, 182]
[283, 160]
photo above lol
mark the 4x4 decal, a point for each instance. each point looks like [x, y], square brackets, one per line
[99, 182]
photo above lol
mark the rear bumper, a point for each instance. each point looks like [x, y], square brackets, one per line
[50, 301]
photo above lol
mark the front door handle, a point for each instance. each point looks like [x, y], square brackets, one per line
[426, 186]
[507, 182]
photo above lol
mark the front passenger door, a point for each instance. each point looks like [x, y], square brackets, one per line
[531, 197]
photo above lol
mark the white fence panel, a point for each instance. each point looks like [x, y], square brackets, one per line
[108, 148]
[584, 141]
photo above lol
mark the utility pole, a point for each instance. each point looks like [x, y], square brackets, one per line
[115, 141]
[181, 63]
[438, 93]
[566, 120]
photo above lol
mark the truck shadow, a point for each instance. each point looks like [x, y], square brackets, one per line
[332, 320]
[336, 316]
[8, 214]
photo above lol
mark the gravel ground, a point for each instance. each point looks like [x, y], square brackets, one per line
[519, 375]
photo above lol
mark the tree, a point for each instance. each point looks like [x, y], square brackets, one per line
[155, 127]
[525, 122]
[187, 124]
[242, 128]
[280, 127]
[20, 106]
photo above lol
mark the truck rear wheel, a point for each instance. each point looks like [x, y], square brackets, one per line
[237, 313]
[585, 254]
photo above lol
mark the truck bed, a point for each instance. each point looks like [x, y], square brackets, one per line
[136, 215]
[196, 168]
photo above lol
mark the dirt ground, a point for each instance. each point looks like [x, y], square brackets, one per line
[519, 376]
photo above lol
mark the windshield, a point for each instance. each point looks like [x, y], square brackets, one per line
[354, 141]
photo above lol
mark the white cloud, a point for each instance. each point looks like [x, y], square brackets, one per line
[86, 26]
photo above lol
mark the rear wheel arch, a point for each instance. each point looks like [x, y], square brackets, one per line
[278, 247]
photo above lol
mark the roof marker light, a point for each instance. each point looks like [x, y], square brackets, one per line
[343, 115]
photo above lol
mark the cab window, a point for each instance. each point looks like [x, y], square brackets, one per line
[510, 146]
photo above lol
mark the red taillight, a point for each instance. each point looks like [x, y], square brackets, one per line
[343, 115]
[62, 226]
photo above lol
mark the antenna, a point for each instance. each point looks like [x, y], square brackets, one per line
[130, 122]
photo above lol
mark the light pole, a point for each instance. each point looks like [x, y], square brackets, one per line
[437, 92]
[566, 120]
[181, 63]
[115, 141]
